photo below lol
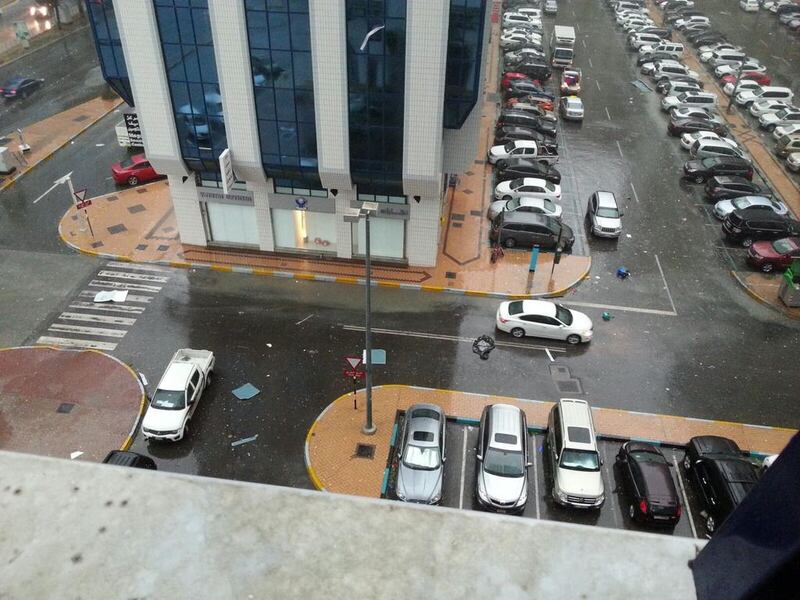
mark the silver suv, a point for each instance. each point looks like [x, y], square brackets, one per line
[605, 217]
[422, 455]
[502, 466]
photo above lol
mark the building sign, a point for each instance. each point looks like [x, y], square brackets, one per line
[305, 203]
[226, 170]
[134, 131]
[387, 210]
[301, 204]
[217, 195]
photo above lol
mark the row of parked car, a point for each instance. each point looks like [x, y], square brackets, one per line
[720, 473]
[786, 11]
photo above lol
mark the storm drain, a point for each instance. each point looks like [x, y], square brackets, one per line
[641, 85]
[365, 451]
[65, 408]
[569, 386]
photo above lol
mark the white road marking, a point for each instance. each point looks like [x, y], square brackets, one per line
[763, 42]
[635, 195]
[550, 356]
[448, 338]
[130, 298]
[304, 320]
[89, 318]
[133, 276]
[108, 307]
[92, 344]
[666, 287]
[619, 149]
[536, 477]
[463, 467]
[117, 285]
[80, 329]
[590, 62]
[50, 189]
[685, 498]
[597, 83]
[647, 311]
[608, 114]
[583, 42]
[136, 266]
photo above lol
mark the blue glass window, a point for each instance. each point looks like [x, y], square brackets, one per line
[188, 50]
[279, 37]
[464, 49]
[109, 48]
[376, 83]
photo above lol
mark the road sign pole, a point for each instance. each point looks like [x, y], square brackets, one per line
[369, 427]
[88, 222]
[72, 195]
[355, 397]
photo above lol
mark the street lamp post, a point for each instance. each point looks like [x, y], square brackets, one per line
[353, 215]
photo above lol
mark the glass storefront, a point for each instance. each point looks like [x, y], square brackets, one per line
[304, 230]
[231, 223]
[386, 238]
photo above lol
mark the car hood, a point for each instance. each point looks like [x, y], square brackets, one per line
[723, 208]
[419, 485]
[580, 321]
[497, 150]
[504, 187]
[746, 95]
[608, 222]
[503, 490]
[157, 419]
[580, 483]
[769, 118]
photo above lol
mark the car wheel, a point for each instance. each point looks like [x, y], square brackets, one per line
[632, 512]
[506, 198]
[747, 242]
[209, 377]
[518, 332]
[573, 339]
[767, 267]
[502, 164]
[711, 525]
[510, 242]
[699, 179]
[687, 464]
[133, 180]
[770, 127]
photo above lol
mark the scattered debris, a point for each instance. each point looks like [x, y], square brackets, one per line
[111, 296]
[269, 345]
[74, 455]
[482, 346]
[142, 377]
[607, 316]
[247, 391]
[304, 320]
[623, 273]
[244, 441]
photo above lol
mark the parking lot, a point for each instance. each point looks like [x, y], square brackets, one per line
[460, 473]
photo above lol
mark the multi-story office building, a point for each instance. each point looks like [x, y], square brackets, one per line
[321, 105]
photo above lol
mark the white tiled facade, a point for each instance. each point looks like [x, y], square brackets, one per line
[430, 152]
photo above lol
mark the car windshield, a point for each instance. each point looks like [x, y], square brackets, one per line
[421, 457]
[549, 205]
[608, 213]
[505, 463]
[516, 183]
[515, 308]
[126, 164]
[651, 457]
[512, 204]
[549, 187]
[741, 202]
[580, 460]
[509, 147]
[783, 246]
[563, 314]
[169, 400]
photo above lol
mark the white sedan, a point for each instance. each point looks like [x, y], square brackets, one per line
[747, 84]
[540, 318]
[725, 207]
[519, 148]
[762, 107]
[733, 69]
[793, 162]
[688, 139]
[527, 186]
[541, 206]
[786, 130]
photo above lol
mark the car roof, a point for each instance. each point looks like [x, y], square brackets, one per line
[538, 307]
[505, 420]
[516, 216]
[576, 417]
[740, 475]
[423, 425]
[606, 198]
[15, 80]
[176, 377]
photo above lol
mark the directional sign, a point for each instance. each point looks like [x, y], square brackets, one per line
[378, 356]
[353, 361]
[354, 373]
[83, 204]
[80, 195]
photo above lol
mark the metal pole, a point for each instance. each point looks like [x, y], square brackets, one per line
[369, 427]
[735, 90]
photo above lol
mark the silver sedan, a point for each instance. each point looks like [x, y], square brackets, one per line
[422, 455]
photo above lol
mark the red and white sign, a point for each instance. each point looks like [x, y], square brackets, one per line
[83, 204]
[353, 361]
[355, 374]
[80, 195]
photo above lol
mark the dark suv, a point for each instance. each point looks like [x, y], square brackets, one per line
[523, 119]
[721, 476]
[700, 171]
[130, 459]
[748, 225]
[517, 228]
[725, 186]
[525, 167]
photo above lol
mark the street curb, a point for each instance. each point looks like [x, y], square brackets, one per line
[142, 405]
[760, 299]
[30, 167]
[312, 474]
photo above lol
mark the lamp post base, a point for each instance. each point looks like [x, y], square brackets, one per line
[369, 430]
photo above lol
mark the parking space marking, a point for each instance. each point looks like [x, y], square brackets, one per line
[647, 311]
[590, 62]
[635, 195]
[597, 83]
[550, 356]
[666, 287]
[608, 114]
[584, 43]
[762, 41]
[536, 477]
[612, 495]
[619, 148]
[463, 467]
[683, 493]
[448, 338]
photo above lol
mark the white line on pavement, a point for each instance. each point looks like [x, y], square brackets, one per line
[448, 338]
[50, 189]
[612, 496]
[536, 477]
[666, 287]
[304, 320]
[82, 330]
[89, 318]
[647, 311]
[619, 148]
[59, 341]
[133, 276]
[136, 266]
[583, 42]
[107, 307]
[590, 62]
[463, 467]
[635, 195]
[683, 493]
[550, 356]
[608, 114]
[597, 83]
[118, 285]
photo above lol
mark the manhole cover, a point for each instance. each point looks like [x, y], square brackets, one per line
[572, 386]
[559, 372]
[365, 451]
[65, 407]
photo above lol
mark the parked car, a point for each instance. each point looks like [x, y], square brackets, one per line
[751, 65]
[688, 139]
[534, 69]
[678, 85]
[725, 187]
[134, 170]
[123, 458]
[530, 204]
[604, 215]
[706, 52]
[550, 7]
[700, 171]
[501, 481]
[746, 84]
[523, 119]
[523, 87]
[679, 126]
[787, 145]
[571, 82]
[746, 226]
[690, 100]
[529, 229]
[706, 114]
[785, 116]
[793, 162]
[721, 476]
[512, 133]
[778, 254]
[706, 148]
[527, 187]
[519, 149]
[524, 167]
[541, 318]
[20, 87]
[421, 453]
[762, 107]
[753, 203]
[571, 108]
[510, 76]
[652, 57]
[747, 97]
[786, 131]
[647, 484]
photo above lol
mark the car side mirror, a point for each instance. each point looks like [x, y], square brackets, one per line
[621, 214]
[529, 464]
[602, 462]
[479, 457]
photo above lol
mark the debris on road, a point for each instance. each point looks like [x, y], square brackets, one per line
[244, 441]
[111, 296]
[247, 391]
[482, 346]
[607, 316]
[623, 273]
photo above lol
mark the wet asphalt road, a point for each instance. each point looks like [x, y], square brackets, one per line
[684, 339]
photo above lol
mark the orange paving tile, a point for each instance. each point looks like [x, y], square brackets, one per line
[47, 136]
[331, 443]
[765, 288]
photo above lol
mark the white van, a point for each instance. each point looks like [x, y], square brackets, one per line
[748, 5]
[726, 57]
[674, 49]
[690, 100]
[767, 92]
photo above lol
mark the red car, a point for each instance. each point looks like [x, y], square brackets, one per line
[510, 76]
[778, 254]
[759, 78]
[136, 169]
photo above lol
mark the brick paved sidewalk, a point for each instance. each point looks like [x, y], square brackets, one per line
[333, 466]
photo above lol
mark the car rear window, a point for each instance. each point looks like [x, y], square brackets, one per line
[127, 163]
[505, 438]
[515, 308]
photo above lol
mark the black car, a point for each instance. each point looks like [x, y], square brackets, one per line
[653, 57]
[701, 170]
[679, 14]
[706, 38]
[703, 35]
[725, 186]
[517, 228]
[523, 119]
[721, 476]
[678, 127]
[525, 167]
[749, 225]
[130, 459]
[521, 87]
[511, 133]
[534, 70]
[648, 484]
[664, 33]
[20, 87]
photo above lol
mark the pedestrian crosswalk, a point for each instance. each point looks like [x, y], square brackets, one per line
[101, 325]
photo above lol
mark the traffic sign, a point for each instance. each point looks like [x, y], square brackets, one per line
[378, 356]
[355, 374]
[353, 361]
[83, 204]
[80, 195]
